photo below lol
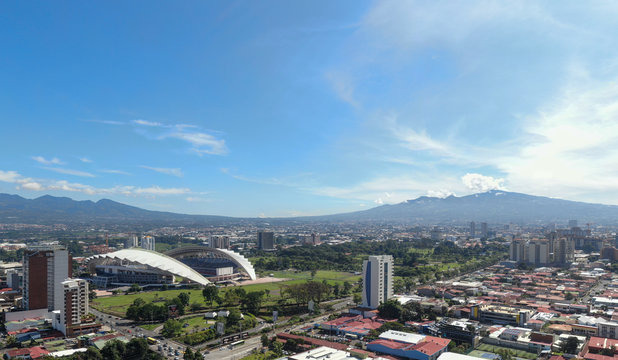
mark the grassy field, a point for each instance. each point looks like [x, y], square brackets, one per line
[117, 305]
[517, 353]
[195, 323]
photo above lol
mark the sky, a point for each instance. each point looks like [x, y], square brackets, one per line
[289, 108]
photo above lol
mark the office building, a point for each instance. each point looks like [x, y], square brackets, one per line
[484, 230]
[472, 229]
[313, 239]
[377, 280]
[131, 241]
[266, 240]
[219, 241]
[45, 268]
[502, 315]
[148, 243]
[75, 295]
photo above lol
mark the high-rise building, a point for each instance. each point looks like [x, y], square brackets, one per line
[572, 224]
[472, 229]
[517, 250]
[542, 252]
[45, 268]
[265, 240]
[131, 241]
[436, 234]
[484, 230]
[219, 241]
[538, 252]
[377, 280]
[75, 295]
[148, 242]
[313, 239]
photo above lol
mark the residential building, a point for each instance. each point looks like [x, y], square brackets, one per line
[607, 329]
[131, 241]
[484, 230]
[472, 229]
[148, 242]
[377, 280]
[75, 303]
[45, 268]
[219, 241]
[265, 240]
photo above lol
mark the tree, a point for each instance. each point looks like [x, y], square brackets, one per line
[233, 318]
[135, 288]
[570, 345]
[171, 328]
[137, 348]
[113, 350]
[188, 354]
[11, 341]
[336, 290]
[277, 348]
[357, 298]
[390, 309]
[313, 273]
[253, 302]
[265, 340]
[347, 287]
[210, 293]
[184, 298]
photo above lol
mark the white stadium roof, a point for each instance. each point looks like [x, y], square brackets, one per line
[155, 260]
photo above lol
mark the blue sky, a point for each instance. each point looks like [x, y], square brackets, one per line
[285, 108]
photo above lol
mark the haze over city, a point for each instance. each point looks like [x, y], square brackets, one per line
[286, 108]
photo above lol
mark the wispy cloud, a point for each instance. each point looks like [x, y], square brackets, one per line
[26, 183]
[113, 171]
[147, 123]
[44, 161]
[157, 190]
[107, 122]
[201, 142]
[85, 160]
[70, 171]
[168, 171]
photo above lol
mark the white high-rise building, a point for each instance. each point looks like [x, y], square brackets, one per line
[132, 241]
[148, 242]
[377, 280]
[75, 303]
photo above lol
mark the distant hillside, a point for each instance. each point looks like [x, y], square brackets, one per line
[49, 209]
[493, 207]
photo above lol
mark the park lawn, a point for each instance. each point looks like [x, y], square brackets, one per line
[517, 353]
[194, 321]
[118, 304]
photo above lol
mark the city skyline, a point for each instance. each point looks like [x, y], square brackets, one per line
[289, 109]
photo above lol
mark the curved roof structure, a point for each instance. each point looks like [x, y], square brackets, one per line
[155, 260]
[236, 258]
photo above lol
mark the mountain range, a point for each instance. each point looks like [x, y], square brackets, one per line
[492, 207]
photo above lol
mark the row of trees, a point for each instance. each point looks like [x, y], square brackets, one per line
[136, 349]
[248, 301]
[139, 310]
[409, 261]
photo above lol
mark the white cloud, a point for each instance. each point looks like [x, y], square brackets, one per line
[44, 161]
[168, 171]
[113, 171]
[10, 176]
[32, 185]
[156, 190]
[481, 183]
[147, 123]
[70, 172]
[343, 87]
[576, 142]
[202, 143]
[442, 193]
[25, 183]
[85, 160]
